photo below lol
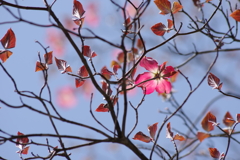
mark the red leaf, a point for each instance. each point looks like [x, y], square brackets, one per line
[78, 12]
[40, 66]
[101, 108]
[159, 29]
[9, 40]
[88, 52]
[120, 57]
[169, 132]
[106, 73]
[105, 88]
[207, 122]
[115, 65]
[139, 44]
[179, 137]
[25, 150]
[61, 64]
[201, 136]
[79, 82]
[152, 130]
[142, 137]
[23, 140]
[236, 15]
[214, 152]
[5, 54]
[176, 7]
[228, 130]
[238, 118]
[78, 9]
[164, 6]
[48, 57]
[82, 72]
[228, 120]
[127, 22]
[214, 81]
[170, 24]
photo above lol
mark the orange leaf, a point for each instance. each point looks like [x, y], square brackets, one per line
[176, 7]
[164, 6]
[5, 54]
[228, 120]
[159, 29]
[214, 152]
[207, 122]
[40, 66]
[102, 108]
[201, 136]
[236, 15]
[179, 137]
[152, 130]
[142, 137]
[25, 150]
[9, 40]
[48, 57]
[208, 1]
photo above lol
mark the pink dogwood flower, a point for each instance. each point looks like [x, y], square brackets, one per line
[156, 78]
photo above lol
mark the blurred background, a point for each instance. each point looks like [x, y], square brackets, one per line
[106, 21]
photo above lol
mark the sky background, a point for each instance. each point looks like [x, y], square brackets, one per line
[105, 20]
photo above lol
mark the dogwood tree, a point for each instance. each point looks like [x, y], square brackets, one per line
[78, 79]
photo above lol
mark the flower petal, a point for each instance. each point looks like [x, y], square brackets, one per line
[149, 86]
[163, 86]
[168, 70]
[149, 64]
